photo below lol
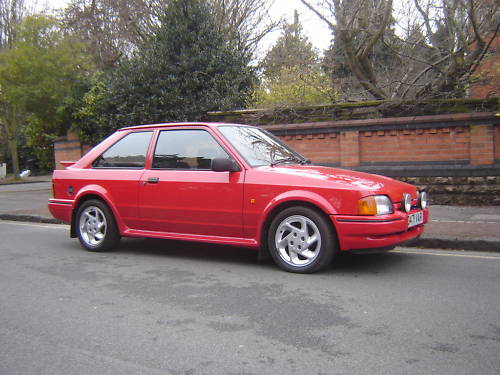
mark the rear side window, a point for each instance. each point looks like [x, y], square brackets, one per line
[128, 152]
[186, 149]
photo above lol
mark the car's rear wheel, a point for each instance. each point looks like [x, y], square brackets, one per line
[301, 240]
[96, 226]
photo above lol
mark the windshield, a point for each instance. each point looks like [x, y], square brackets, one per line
[259, 147]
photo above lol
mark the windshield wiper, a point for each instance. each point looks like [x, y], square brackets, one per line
[287, 160]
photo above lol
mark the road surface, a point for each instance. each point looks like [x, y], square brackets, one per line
[164, 307]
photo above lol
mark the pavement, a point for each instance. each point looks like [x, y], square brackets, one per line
[451, 227]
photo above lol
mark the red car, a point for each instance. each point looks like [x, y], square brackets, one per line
[230, 184]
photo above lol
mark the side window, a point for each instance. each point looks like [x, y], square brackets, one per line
[128, 152]
[186, 149]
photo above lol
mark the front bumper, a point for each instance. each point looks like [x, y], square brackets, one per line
[372, 232]
[61, 209]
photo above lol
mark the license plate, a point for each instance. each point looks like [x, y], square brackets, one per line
[415, 219]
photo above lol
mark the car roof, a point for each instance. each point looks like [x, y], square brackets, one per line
[179, 124]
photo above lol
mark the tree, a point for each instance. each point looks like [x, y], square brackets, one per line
[187, 69]
[36, 75]
[292, 74]
[244, 22]
[11, 14]
[115, 28]
[384, 62]
[439, 43]
[89, 117]
[292, 49]
[112, 28]
[293, 87]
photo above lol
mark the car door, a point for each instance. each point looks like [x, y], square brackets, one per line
[181, 194]
[116, 173]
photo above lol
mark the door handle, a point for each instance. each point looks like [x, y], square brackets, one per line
[153, 180]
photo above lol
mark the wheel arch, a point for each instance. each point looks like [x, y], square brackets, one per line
[85, 196]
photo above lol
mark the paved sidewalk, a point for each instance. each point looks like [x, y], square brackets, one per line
[26, 202]
[462, 228]
[451, 227]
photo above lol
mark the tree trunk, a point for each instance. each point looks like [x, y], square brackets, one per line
[11, 121]
[12, 142]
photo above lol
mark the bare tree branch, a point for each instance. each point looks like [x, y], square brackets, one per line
[380, 32]
[422, 73]
[475, 26]
[427, 23]
[320, 15]
[246, 22]
[443, 44]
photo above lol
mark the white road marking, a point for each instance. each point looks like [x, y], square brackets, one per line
[464, 221]
[38, 225]
[446, 254]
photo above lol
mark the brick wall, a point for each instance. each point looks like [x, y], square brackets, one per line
[471, 139]
[438, 144]
[322, 148]
[68, 148]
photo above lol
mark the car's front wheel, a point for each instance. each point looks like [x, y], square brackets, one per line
[301, 240]
[96, 227]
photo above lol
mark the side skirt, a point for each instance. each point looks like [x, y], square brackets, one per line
[234, 241]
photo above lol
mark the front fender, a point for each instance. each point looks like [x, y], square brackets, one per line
[296, 196]
[301, 195]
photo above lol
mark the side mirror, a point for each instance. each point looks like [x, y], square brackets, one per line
[224, 165]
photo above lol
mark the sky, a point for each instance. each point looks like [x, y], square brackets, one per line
[315, 29]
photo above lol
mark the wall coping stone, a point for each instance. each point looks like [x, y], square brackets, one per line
[413, 122]
[426, 170]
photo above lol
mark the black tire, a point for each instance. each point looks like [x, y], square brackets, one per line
[96, 227]
[301, 240]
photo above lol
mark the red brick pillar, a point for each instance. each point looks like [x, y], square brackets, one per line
[67, 148]
[349, 149]
[485, 81]
[481, 145]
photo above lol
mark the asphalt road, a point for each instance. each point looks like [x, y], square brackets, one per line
[163, 307]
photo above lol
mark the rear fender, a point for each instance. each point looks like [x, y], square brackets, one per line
[102, 194]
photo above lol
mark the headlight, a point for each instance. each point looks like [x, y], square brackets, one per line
[422, 200]
[375, 205]
[406, 203]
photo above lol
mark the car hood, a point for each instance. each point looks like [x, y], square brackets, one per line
[337, 178]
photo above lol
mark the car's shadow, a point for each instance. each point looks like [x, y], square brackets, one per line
[187, 250]
[344, 262]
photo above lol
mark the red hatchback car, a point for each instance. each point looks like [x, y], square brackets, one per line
[230, 184]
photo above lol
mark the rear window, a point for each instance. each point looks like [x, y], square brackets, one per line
[128, 152]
